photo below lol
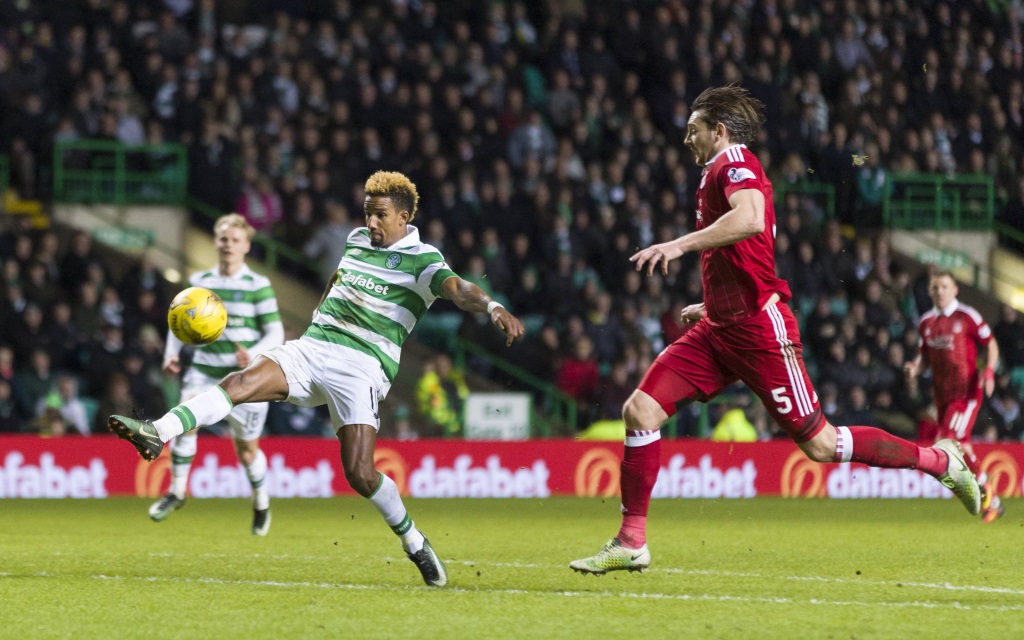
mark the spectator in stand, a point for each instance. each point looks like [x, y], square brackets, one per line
[1009, 334]
[258, 203]
[33, 382]
[11, 420]
[63, 399]
[327, 244]
[440, 392]
[578, 377]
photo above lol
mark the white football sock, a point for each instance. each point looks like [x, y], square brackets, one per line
[209, 407]
[183, 450]
[257, 472]
[389, 502]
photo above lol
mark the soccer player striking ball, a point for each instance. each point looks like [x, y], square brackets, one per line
[743, 332]
[254, 326]
[349, 355]
[950, 336]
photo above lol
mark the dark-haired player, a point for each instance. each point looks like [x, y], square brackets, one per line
[744, 331]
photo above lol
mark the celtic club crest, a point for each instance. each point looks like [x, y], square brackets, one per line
[393, 261]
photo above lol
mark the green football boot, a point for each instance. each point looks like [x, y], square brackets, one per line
[614, 557]
[958, 477]
[141, 433]
[159, 510]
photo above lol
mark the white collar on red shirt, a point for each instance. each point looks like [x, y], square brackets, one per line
[712, 160]
[948, 311]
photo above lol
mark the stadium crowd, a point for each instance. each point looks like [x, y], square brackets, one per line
[545, 139]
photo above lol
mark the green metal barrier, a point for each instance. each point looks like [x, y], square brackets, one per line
[561, 408]
[822, 192]
[1006, 232]
[933, 201]
[108, 172]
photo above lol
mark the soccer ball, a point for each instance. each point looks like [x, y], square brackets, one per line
[197, 316]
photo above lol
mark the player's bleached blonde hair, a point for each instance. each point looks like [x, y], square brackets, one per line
[732, 105]
[234, 220]
[394, 185]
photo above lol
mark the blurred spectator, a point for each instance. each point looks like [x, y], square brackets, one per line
[856, 410]
[532, 139]
[116, 400]
[259, 204]
[578, 376]
[1009, 335]
[440, 392]
[734, 426]
[11, 420]
[63, 399]
[327, 244]
[33, 382]
[615, 389]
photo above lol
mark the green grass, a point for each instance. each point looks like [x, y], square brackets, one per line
[764, 568]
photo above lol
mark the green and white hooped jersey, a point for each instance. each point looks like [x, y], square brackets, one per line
[251, 305]
[379, 294]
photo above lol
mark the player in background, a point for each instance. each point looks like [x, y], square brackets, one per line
[744, 331]
[951, 334]
[349, 355]
[254, 325]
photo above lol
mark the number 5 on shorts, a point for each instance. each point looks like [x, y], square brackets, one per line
[782, 403]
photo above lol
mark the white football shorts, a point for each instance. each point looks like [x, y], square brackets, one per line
[245, 420]
[350, 382]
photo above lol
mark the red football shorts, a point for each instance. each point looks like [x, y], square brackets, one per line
[763, 351]
[956, 417]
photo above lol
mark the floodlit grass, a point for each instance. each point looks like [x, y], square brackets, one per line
[764, 568]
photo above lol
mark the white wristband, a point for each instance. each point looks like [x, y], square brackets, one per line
[492, 305]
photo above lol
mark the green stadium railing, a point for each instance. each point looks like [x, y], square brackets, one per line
[560, 408]
[1012, 235]
[938, 202]
[108, 172]
[821, 192]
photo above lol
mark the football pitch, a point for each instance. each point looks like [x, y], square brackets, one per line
[763, 568]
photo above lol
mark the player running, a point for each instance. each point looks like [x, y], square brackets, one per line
[349, 355]
[743, 332]
[950, 335]
[254, 326]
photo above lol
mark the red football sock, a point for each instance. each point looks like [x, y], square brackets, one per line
[880, 449]
[639, 469]
[932, 461]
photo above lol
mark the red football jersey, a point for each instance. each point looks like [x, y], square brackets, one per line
[950, 345]
[739, 278]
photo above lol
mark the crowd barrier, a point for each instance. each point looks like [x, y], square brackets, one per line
[101, 466]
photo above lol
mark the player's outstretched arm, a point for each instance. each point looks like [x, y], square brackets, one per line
[744, 220]
[988, 377]
[469, 297]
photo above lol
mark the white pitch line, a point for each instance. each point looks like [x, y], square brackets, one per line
[943, 586]
[698, 597]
